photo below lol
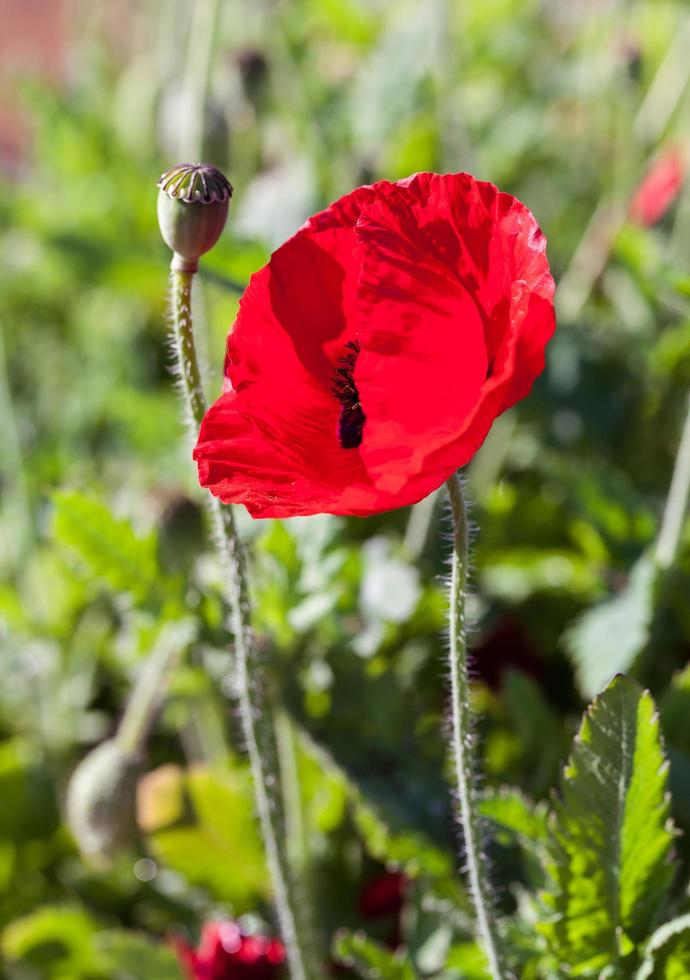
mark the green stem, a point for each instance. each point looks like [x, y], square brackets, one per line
[461, 740]
[676, 507]
[202, 33]
[11, 457]
[418, 524]
[258, 730]
[150, 688]
[296, 834]
[289, 774]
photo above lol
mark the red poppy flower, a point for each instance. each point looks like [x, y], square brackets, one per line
[226, 953]
[383, 898]
[659, 187]
[383, 895]
[373, 352]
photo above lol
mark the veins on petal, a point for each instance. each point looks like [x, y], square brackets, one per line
[352, 417]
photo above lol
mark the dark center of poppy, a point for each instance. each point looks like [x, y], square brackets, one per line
[352, 418]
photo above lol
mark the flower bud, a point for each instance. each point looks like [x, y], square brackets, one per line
[101, 802]
[193, 202]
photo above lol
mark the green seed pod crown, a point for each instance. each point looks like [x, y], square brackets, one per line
[193, 202]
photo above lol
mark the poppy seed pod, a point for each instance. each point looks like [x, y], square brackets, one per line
[101, 795]
[193, 202]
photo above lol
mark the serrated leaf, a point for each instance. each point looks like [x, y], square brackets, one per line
[108, 546]
[611, 834]
[510, 811]
[607, 639]
[667, 954]
[369, 959]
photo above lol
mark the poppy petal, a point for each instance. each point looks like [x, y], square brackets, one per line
[256, 442]
[423, 358]
[456, 301]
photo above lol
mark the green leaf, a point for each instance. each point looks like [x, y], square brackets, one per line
[607, 639]
[513, 813]
[667, 954]
[540, 732]
[66, 943]
[408, 850]
[107, 546]
[202, 825]
[674, 708]
[132, 955]
[414, 853]
[515, 574]
[466, 960]
[57, 940]
[609, 854]
[29, 806]
[368, 958]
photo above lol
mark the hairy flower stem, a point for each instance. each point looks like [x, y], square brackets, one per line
[259, 733]
[461, 740]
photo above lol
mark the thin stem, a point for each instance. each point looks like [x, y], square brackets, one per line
[289, 773]
[258, 730]
[150, 688]
[676, 503]
[666, 89]
[461, 740]
[202, 31]
[296, 840]
[418, 524]
[12, 458]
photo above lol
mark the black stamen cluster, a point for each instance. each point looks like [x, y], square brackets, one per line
[352, 417]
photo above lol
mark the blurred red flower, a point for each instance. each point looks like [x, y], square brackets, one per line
[373, 352]
[383, 895]
[659, 187]
[226, 953]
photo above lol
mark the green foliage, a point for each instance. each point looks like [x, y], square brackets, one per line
[466, 961]
[108, 547]
[611, 835]
[408, 851]
[29, 807]
[201, 824]
[667, 954]
[369, 959]
[516, 816]
[540, 737]
[305, 101]
[607, 638]
[131, 955]
[57, 941]
[63, 943]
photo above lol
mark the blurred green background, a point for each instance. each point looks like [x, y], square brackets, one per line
[565, 103]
